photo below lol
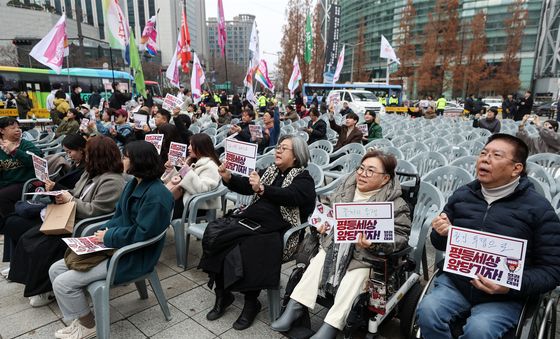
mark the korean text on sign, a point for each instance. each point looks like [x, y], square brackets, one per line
[156, 140]
[177, 153]
[40, 166]
[170, 101]
[375, 220]
[241, 157]
[496, 257]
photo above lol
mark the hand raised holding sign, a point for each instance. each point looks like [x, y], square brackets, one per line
[255, 181]
[488, 286]
[362, 242]
[441, 224]
[224, 172]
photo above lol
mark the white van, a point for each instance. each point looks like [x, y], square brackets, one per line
[359, 101]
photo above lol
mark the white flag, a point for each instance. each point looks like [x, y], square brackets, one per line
[172, 72]
[294, 78]
[254, 45]
[250, 96]
[387, 52]
[339, 65]
[197, 79]
[52, 49]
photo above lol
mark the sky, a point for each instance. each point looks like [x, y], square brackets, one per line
[270, 17]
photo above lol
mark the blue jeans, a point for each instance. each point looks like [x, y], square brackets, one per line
[444, 303]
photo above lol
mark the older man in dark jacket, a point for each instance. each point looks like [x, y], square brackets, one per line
[504, 202]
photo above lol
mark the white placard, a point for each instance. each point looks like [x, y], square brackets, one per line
[333, 98]
[256, 132]
[53, 193]
[374, 219]
[496, 257]
[364, 129]
[241, 157]
[170, 101]
[156, 140]
[84, 124]
[40, 166]
[322, 216]
[85, 245]
[140, 120]
[177, 153]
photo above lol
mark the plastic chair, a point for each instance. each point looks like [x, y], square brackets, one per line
[423, 135]
[428, 161]
[264, 161]
[436, 143]
[378, 143]
[456, 139]
[469, 136]
[404, 166]
[328, 189]
[353, 148]
[331, 134]
[541, 188]
[551, 163]
[453, 152]
[322, 144]
[210, 131]
[194, 129]
[447, 179]
[401, 140]
[316, 173]
[538, 172]
[483, 133]
[556, 203]
[319, 156]
[99, 290]
[474, 147]
[348, 163]
[393, 150]
[410, 149]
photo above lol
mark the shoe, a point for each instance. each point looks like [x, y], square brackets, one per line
[77, 331]
[223, 300]
[63, 332]
[5, 272]
[41, 299]
[248, 315]
[293, 311]
[325, 332]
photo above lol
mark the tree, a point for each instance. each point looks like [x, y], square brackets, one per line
[475, 69]
[427, 77]
[318, 55]
[406, 50]
[506, 79]
[360, 71]
[8, 55]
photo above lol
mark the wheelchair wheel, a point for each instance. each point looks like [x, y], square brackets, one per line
[407, 309]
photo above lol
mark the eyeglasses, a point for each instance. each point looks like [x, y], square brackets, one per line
[368, 172]
[494, 155]
[282, 148]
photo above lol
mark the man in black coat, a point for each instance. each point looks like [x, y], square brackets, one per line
[501, 201]
[525, 106]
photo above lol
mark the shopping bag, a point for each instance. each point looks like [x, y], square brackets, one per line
[59, 218]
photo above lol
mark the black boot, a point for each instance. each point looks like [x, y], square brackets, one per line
[251, 308]
[223, 300]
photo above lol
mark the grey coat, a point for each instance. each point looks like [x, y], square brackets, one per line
[548, 141]
[101, 198]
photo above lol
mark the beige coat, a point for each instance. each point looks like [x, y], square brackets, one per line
[98, 195]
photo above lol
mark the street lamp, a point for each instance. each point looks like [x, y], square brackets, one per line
[352, 69]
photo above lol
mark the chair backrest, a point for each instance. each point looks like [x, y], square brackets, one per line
[353, 148]
[351, 162]
[410, 149]
[435, 143]
[392, 150]
[264, 161]
[541, 188]
[447, 179]
[538, 172]
[319, 156]
[322, 144]
[472, 135]
[483, 132]
[331, 134]
[401, 140]
[404, 166]
[453, 152]
[549, 161]
[303, 135]
[428, 161]
[194, 129]
[423, 135]
[474, 147]
[210, 131]
[456, 139]
[316, 173]
[377, 143]
[467, 163]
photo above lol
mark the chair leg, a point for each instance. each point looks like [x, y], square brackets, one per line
[160, 296]
[185, 253]
[142, 289]
[273, 304]
[100, 299]
[425, 264]
[179, 235]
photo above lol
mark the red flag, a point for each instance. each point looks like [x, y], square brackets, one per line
[185, 43]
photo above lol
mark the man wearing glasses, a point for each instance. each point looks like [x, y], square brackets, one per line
[548, 140]
[501, 201]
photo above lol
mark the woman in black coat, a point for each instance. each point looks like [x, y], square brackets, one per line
[243, 252]
[317, 128]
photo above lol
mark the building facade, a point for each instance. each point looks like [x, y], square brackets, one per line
[383, 17]
[238, 37]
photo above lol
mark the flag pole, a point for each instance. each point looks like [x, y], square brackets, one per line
[112, 68]
[387, 75]
[68, 73]
[225, 63]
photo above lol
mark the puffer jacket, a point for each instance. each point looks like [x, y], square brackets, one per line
[523, 214]
[390, 192]
[548, 141]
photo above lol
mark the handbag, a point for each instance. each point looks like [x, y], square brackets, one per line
[85, 262]
[29, 209]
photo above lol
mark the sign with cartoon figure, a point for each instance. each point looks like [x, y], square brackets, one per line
[375, 220]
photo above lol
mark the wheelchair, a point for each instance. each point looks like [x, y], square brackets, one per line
[537, 318]
[394, 286]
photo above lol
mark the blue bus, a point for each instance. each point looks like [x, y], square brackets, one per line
[380, 90]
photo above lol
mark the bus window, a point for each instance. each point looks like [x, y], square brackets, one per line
[86, 84]
[9, 82]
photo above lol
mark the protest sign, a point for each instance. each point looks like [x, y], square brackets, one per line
[496, 257]
[241, 157]
[85, 245]
[140, 120]
[40, 166]
[322, 216]
[374, 219]
[177, 153]
[364, 129]
[256, 132]
[333, 98]
[84, 124]
[170, 101]
[156, 140]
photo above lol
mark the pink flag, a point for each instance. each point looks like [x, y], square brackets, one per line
[149, 36]
[339, 65]
[52, 49]
[172, 72]
[197, 79]
[261, 75]
[222, 34]
[294, 78]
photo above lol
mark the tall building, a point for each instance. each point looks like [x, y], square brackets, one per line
[383, 17]
[238, 36]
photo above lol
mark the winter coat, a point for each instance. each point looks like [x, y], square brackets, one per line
[524, 214]
[61, 105]
[525, 107]
[67, 126]
[17, 167]
[319, 131]
[548, 141]
[374, 131]
[343, 138]
[493, 125]
[24, 105]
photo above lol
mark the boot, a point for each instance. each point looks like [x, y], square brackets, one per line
[251, 308]
[325, 332]
[223, 300]
[294, 311]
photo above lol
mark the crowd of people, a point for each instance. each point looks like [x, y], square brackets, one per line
[110, 168]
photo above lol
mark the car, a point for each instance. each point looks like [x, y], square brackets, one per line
[547, 109]
[492, 102]
[453, 109]
[359, 101]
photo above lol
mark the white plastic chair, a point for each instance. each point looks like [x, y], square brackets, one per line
[453, 152]
[467, 163]
[319, 156]
[322, 144]
[428, 161]
[447, 179]
[410, 149]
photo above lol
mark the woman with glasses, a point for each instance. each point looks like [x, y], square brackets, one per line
[243, 251]
[340, 269]
[548, 140]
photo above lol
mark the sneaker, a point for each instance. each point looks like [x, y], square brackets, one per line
[41, 299]
[79, 331]
[63, 332]
[5, 272]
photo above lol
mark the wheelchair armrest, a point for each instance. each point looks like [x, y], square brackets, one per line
[194, 204]
[293, 230]
[112, 270]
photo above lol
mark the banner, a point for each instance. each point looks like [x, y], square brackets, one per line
[177, 153]
[294, 78]
[222, 33]
[331, 50]
[339, 65]
[375, 220]
[52, 49]
[254, 46]
[308, 39]
[156, 140]
[116, 24]
[364, 129]
[172, 72]
[241, 157]
[496, 257]
[149, 37]
[140, 120]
